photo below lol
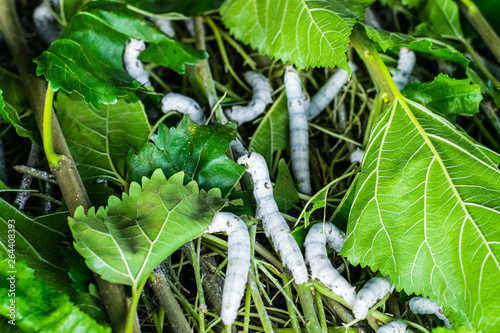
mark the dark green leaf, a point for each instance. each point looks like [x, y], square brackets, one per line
[100, 140]
[447, 96]
[443, 18]
[388, 40]
[126, 240]
[186, 7]
[39, 308]
[303, 32]
[198, 151]
[273, 131]
[26, 130]
[173, 55]
[88, 56]
[38, 242]
[285, 193]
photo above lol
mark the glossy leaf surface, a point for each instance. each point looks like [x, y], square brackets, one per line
[126, 240]
[198, 151]
[285, 193]
[88, 56]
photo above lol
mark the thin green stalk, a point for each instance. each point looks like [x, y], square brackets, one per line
[479, 63]
[476, 18]
[489, 109]
[247, 60]
[248, 303]
[289, 303]
[321, 311]
[378, 104]
[199, 286]
[52, 157]
[132, 310]
[307, 303]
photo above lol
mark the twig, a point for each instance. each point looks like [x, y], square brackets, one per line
[33, 162]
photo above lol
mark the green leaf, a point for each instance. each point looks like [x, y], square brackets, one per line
[186, 7]
[37, 241]
[431, 48]
[100, 140]
[38, 308]
[447, 96]
[443, 18]
[285, 193]
[198, 151]
[426, 212]
[88, 56]
[173, 55]
[14, 103]
[126, 240]
[303, 32]
[273, 131]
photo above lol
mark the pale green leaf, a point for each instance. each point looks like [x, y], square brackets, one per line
[39, 308]
[443, 18]
[426, 212]
[447, 96]
[126, 240]
[273, 131]
[303, 32]
[100, 140]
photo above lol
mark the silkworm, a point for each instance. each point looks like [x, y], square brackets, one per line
[184, 105]
[45, 24]
[406, 62]
[298, 104]
[321, 268]
[273, 222]
[357, 156]
[395, 326]
[261, 98]
[133, 66]
[165, 25]
[238, 255]
[328, 91]
[374, 290]
[425, 306]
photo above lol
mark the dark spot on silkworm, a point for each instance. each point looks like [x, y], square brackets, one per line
[229, 225]
[266, 185]
[252, 104]
[196, 107]
[137, 64]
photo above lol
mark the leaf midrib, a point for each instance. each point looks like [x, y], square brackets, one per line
[400, 99]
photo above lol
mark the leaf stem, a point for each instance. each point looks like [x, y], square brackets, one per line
[289, 304]
[199, 286]
[307, 303]
[52, 157]
[479, 63]
[132, 310]
[476, 18]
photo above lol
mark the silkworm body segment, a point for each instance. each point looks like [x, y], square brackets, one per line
[184, 105]
[328, 92]
[273, 222]
[298, 104]
[133, 66]
[395, 326]
[375, 289]
[407, 60]
[321, 268]
[261, 97]
[238, 262]
[425, 306]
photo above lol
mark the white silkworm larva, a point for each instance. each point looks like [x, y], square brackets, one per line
[298, 104]
[321, 268]
[184, 105]
[395, 326]
[425, 306]
[371, 18]
[133, 66]
[357, 156]
[375, 289]
[407, 60]
[327, 93]
[261, 97]
[165, 25]
[45, 24]
[273, 222]
[189, 22]
[238, 255]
